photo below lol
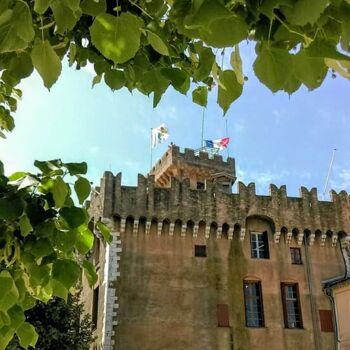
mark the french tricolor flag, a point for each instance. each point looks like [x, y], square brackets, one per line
[219, 143]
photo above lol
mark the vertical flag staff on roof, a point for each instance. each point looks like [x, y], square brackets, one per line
[159, 134]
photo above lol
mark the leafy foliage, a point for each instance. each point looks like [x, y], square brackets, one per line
[59, 324]
[43, 240]
[151, 45]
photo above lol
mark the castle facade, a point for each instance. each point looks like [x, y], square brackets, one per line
[193, 266]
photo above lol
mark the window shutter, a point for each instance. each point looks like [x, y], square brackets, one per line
[222, 315]
[326, 320]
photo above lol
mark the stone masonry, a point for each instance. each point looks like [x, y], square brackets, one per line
[155, 294]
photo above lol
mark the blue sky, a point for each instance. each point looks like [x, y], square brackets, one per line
[274, 138]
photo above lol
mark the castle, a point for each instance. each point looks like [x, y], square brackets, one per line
[193, 266]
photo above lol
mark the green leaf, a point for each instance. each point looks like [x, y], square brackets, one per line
[215, 24]
[90, 272]
[104, 231]
[24, 182]
[58, 289]
[345, 36]
[153, 80]
[82, 188]
[74, 216]
[205, 64]
[76, 168]
[9, 293]
[42, 247]
[16, 28]
[229, 89]
[65, 241]
[6, 334]
[117, 38]
[96, 80]
[46, 62]
[157, 43]
[236, 63]
[16, 315]
[272, 67]
[59, 191]
[1, 168]
[5, 319]
[51, 167]
[325, 49]
[11, 207]
[115, 79]
[40, 6]
[226, 32]
[25, 225]
[66, 272]
[17, 175]
[20, 67]
[93, 7]
[305, 11]
[72, 53]
[178, 78]
[85, 240]
[27, 335]
[200, 95]
[66, 13]
[309, 70]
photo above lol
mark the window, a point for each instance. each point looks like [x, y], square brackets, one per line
[295, 255]
[200, 186]
[222, 314]
[259, 245]
[96, 251]
[291, 305]
[94, 313]
[200, 251]
[254, 316]
[326, 320]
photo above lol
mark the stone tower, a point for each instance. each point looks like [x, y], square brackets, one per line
[194, 266]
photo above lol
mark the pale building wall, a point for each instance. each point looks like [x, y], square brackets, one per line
[342, 304]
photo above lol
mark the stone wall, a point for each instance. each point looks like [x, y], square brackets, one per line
[165, 298]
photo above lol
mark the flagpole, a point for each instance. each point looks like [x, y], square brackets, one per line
[228, 154]
[150, 169]
[202, 136]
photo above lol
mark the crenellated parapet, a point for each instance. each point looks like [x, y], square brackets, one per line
[181, 209]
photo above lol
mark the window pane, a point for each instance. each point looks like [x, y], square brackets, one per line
[291, 306]
[259, 245]
[253, 306]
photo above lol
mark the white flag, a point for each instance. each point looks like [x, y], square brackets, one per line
[159, 135]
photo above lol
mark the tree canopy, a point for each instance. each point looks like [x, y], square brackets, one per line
[44, 238]
[150, 45]
[60, 325]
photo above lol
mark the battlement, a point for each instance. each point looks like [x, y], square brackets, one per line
[198, 168]
[291, 216]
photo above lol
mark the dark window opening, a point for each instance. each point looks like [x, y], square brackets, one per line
[326, 320]
[295, 255]
[226, 188]
[96, 251]
[200, 251]
[291, 305]
[223, 315]
[94, 313]
[259, 245]
[254, 315]
[200, 185]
